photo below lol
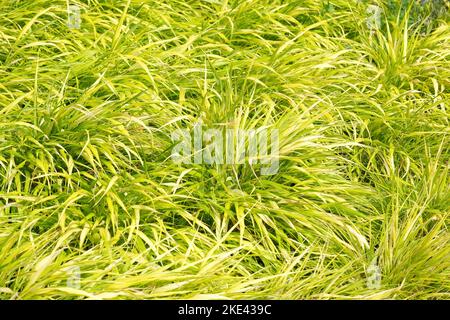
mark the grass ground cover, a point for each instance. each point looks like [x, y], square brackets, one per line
[93, 207]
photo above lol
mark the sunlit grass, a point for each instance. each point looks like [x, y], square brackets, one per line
[87, 183]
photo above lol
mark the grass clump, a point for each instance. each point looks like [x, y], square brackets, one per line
[92, 206]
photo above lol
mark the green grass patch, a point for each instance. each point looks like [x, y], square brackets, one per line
[93, 207]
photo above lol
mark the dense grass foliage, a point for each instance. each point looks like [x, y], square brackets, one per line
[87, 182]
